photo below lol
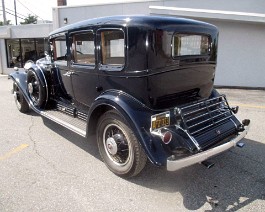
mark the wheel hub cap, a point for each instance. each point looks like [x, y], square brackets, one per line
[30, 88]
[111, 146]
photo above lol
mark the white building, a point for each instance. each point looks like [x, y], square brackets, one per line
[21, 43]
[241, 53]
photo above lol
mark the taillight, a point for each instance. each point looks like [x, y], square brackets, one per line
[166, 137]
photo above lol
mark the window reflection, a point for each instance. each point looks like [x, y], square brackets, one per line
[19, 51]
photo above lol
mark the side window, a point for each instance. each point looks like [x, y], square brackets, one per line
[112, 47]
[58, 46]
[83, 48]
[189, 44]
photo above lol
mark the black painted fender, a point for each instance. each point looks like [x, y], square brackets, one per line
[137, 115]
[20, 79]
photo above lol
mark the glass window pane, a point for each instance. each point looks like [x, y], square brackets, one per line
[83, 48]
[41, 47]
[185, 44]
[28, 50]
[112, 47]
[13, 53]
[59, 49]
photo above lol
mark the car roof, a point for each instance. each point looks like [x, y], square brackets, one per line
[131, 20]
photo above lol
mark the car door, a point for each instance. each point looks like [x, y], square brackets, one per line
[60, 52]
[83, 67]
[111, 56]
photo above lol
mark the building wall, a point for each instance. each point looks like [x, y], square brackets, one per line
[241, 53]
[78, 13]
[16, 32]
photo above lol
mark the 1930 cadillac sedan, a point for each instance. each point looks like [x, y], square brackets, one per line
[142, 84]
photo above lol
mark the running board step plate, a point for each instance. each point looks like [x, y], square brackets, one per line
[74, 124]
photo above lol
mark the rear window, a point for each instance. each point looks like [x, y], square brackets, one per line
[188, 45]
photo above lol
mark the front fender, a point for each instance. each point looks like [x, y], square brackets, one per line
[138, 116]
[20, 79]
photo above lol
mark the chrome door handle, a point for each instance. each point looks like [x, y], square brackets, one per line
[68, 73]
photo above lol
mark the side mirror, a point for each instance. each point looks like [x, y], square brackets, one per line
[46, 53]
[16, 68]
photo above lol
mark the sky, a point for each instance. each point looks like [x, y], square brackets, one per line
[40, 8]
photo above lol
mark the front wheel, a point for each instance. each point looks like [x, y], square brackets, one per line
[36, 89]
[118, 146]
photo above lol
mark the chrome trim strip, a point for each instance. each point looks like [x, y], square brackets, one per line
[46, 85]
[63, 123]
[190, 137]
[207, 100]
[173, 165]
[233, 122]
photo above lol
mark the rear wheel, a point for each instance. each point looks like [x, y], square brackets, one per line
[20, 100]
[36, 89]
[118, 146]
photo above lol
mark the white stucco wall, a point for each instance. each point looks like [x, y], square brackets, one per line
[241, 54]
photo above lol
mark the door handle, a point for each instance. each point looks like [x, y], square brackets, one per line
[68, 73]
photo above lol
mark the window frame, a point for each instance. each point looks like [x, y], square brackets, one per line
[52, 40]
[72, 41]
[195, 55]
[111, 67]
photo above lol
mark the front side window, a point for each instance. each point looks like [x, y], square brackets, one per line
[188, 45]
[112, 47]
[83, 48]
[59, 49]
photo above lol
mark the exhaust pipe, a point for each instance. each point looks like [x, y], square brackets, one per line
[207, 164]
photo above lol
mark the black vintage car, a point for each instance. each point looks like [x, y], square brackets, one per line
[142, 84]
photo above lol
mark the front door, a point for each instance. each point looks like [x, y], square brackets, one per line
[59, 48]
[83, 67]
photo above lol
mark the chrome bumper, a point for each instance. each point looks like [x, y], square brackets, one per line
[173, 165]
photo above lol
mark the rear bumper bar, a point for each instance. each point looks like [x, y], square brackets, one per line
[173, 165]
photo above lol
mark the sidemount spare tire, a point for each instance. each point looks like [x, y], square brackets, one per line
[37, 89]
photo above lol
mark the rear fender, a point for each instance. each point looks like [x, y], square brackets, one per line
[137, 116]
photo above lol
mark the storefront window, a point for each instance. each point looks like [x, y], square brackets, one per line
[13, 53]
[19, 51]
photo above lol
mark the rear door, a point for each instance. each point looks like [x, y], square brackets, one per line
[111, 58]
[83, 67]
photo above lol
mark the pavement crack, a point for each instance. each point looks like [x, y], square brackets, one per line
[30, 137]
[49, 163]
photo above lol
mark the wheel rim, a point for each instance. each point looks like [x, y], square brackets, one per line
[117, 145]
[34, 89]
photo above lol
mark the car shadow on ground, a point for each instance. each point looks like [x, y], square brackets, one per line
[236, 180]
[87, 144]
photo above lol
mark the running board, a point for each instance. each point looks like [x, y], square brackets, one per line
[74, 124]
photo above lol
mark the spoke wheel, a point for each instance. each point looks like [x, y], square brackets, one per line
[36, 89]
[20, 100]
[118, 146]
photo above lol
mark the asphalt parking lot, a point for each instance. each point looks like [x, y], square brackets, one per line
[44, 167]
